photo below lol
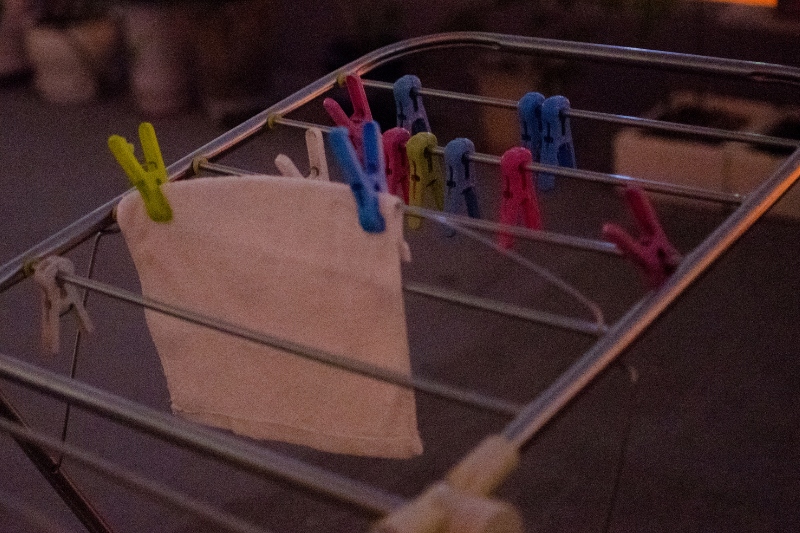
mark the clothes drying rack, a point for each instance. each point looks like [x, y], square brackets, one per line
[523, 419]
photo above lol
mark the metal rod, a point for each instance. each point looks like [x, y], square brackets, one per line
[660, 125]
[80, 506]
[586, 175]
[617, 179]
[131, 480]
[74, 234]
[591, 245]
[236, 451]
[505, 309]
[538, 412]
[462, 396]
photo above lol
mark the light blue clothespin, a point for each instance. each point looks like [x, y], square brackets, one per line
[410, 111]
[365, 181]
[529, 110]
[557, 147]
[460, 179]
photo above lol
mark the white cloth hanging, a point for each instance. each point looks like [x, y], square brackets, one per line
[288, 258]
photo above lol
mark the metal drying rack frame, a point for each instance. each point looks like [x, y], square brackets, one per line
[527, 419]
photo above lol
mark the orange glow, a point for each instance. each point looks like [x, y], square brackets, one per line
[762, 3]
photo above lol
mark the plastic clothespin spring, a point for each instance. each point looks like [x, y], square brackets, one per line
[460, 179]
[652, 251]
[57, 299]
[556, 138]
[519, 200]
[397, 168]
[318, 164]
[361, 112]
[411, 113]
[426, 174]
[148, 178]
[367, 180]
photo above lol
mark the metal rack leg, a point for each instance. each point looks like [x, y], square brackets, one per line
[61, 483]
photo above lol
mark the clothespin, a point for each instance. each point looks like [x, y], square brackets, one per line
[397, 168]
[529, 110]
[361, 112]
[426, 174]
[519, 199]
[460, 183]
[58, 298]
[557, 147]
[318, 165]
[652, 251]
[148, 178]
[366, 180]
[411, 113]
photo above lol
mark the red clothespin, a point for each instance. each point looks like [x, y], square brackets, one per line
[652, 251]
[519, 200]
[397, 168]
[361, 112]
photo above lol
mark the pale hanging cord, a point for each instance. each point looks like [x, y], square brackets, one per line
[539, 270]
[77, 344]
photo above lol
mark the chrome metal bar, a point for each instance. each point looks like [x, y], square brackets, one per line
[618, 179]
[506, 309]
[74, 234]
[711, 133]
[252, 457]
[586, 175]
[132, 480]
[548, 237]
[638, 319]
[590, 245]
[81, 507]
[225, 170]
[462, 396]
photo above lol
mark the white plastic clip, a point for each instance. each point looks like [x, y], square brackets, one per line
[461, 503]
[58, 298]
[316, 158]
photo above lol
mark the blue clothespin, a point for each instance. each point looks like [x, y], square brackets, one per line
[557, 147]
[148, 178]
[410, 111]
[366, 180]
[529, 110]
[460, 179]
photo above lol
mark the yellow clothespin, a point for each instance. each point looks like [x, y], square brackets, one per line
[426, 173]
[147, 179]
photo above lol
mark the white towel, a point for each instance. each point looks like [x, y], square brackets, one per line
[286, 257]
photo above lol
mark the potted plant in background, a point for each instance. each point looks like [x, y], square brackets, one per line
[75, 50]
[15, 17]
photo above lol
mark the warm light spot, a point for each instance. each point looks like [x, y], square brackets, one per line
[762, 3]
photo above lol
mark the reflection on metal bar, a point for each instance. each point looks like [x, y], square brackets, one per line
[82, 508]
[619, 179]
[560, 239]
[586, 175]
[431, 387]
[74, 234]
[629, 327]
[711, 133]
[250, 456]
[590, 245]
[132, 480]
[505, 309]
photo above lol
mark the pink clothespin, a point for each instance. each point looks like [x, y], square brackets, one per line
[652, 251]
[519, 200]
[57, 299]
[361, 112]
[397, 168]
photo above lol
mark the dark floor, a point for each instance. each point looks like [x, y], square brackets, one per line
[706, 439]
